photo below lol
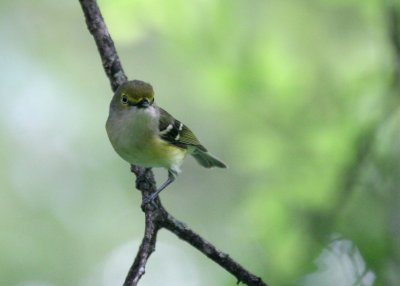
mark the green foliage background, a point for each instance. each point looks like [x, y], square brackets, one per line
[299, 98]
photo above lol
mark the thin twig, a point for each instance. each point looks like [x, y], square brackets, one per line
[109, 57]
[146, 183]
[223, 259]
[145, 250]
[144, 177]
[156, 217]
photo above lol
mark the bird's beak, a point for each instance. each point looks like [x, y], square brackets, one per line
[144, 103]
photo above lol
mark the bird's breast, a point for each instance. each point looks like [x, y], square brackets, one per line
[135, 137]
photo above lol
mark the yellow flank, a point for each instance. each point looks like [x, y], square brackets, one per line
[165, 153]
[155, 152]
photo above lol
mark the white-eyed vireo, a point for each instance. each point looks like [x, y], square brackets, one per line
[146, 135]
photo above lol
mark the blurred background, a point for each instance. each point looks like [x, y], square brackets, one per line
[300, 98]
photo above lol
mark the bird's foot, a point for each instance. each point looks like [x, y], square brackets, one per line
[149, 200]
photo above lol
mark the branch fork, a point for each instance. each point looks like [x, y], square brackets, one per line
[156, 216]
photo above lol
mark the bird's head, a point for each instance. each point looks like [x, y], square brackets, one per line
[133, 93]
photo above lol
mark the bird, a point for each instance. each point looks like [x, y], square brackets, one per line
[144, 134]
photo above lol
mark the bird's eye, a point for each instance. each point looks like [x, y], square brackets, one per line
[124, 99]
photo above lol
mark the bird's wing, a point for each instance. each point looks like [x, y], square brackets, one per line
[176, 133]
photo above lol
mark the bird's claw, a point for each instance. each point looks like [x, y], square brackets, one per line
[149, 199]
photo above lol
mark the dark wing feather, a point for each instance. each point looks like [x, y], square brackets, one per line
[176, 133]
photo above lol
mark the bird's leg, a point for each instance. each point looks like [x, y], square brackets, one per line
[171, 177]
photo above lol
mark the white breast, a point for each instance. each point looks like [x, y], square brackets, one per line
[135, 137]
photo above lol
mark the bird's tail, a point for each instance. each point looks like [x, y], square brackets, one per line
[207, 160]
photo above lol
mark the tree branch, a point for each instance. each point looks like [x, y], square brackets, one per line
[109, 57]
[223, 259]
[144, 182]
[145, 250]
[156, 217]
